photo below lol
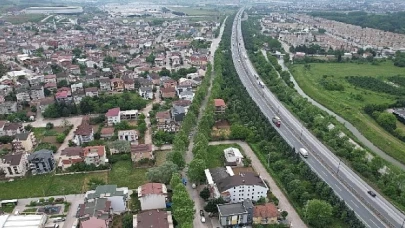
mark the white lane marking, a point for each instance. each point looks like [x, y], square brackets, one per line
[355, 204]
[324, 173]
[373, 223]
[338, 187]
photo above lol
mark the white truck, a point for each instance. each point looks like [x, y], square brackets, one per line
[303, 152]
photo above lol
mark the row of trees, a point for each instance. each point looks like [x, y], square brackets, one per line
[101, 104]
[390, 183]
[375, 84]
[300, 182]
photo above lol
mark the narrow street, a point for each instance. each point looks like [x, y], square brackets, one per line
[194, 193]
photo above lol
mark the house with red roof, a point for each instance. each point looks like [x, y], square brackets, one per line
[113, 116]
[152, 196]
[95, 155]
[64, 94]
[265, 214]
[220, 106]
[70, 156]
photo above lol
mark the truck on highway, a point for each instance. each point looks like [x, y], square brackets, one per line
[277, 121]
[303, 152]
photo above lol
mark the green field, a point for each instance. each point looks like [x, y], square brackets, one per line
[216, 154]
[124, 174]
[47, 185]
[349, 103]
[23, 18]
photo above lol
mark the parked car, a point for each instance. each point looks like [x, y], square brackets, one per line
[202, 216]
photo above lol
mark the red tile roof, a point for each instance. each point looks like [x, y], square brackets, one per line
[113, 112]
[107, 131]
[99, 149]
[152, 218]
[141, 148]
[152, 188]
[269, 210]
[219, 102]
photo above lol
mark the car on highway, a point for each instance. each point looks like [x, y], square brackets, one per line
[202, 216]
[371, 193]
[303, 152]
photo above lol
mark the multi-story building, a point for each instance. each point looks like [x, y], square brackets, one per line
[84, 133]
[14, 165]
[152, 196]
[41, 162]
[128, 135]
[24, 142]
[10, 129]
[220, 106]
[94, 155]
[236, 214]
[222, 182]
[117, 196]
[8, 107]
[37, 92]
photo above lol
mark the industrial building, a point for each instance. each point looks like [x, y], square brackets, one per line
[22, 221]
[54, 10]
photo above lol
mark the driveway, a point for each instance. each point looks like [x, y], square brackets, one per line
[145, 111]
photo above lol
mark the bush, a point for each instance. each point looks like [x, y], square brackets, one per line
[60, 138]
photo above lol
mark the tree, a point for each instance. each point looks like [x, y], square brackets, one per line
[127, 221]
[183, 206]
[150, 59]
[387, 121]
[284, 214]
[163, 173]
[318, 213]
[212, 205]
[60, 138]
[196, 169]
[28, 127]
[49, 125]
[5, 139]
[175, 180]
[121, 145]
[205, 194]
[177, 158]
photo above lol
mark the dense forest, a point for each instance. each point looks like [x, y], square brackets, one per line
[392, 22]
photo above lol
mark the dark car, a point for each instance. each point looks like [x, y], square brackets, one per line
[371, 193]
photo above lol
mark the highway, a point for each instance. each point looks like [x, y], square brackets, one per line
[373, 211]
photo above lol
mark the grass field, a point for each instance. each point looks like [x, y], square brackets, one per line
[347, 104]
[216, 154]
[124, 174]
[23, 18]
[47, 185]
[160, 157]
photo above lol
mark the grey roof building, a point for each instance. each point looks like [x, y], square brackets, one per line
[178, 113]
[41, 162]
[100, 208]
[234, 214]
[116, 196]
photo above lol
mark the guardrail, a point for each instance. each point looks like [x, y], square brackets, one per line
[316, 155]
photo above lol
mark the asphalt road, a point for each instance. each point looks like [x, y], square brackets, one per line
[374, 212]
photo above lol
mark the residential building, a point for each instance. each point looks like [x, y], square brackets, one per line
[99, 208]
[220, 106]
[186, 95]
[117, 196]
[78, 95]
[129, 115]
[233, 157]
[129, 84]
[105, 84]
[178, 113]
[146, 92]
[107, 133]
[37, 92]
[235, 214]
[117, 84]
[168, 83]
[113, 116]
[265, 214]
[50, 78]
[10, 129]
[76, 86]
[183, 88]
[92, 222]
[95, 155]
[70, 156]
[64, 94]
[141, 151]
[169, 92]
[14, 165]
[84, 133]
[165, 122]
[222, 182]
[24, 142]
[41, 161]
[152, 196]
[153, 218]
[91, 92]
[22, 94]
[128, 135]
[45, 102]
[8, 107]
